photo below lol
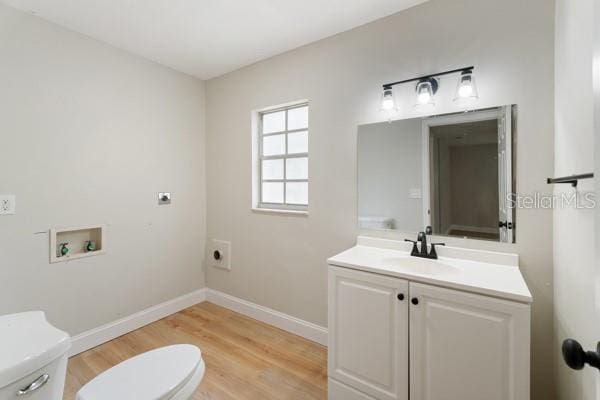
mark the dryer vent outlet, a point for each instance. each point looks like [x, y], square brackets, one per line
[220, 254]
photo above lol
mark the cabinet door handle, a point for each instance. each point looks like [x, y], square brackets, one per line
[400, 296]
[415, 301]
[35, 385]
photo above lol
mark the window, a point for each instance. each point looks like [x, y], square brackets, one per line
[283, 158]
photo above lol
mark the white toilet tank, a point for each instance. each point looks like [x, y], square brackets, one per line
[33, 357]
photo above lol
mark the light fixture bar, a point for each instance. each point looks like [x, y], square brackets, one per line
[465, 69]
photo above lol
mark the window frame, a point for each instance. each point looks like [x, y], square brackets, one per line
[261, 157]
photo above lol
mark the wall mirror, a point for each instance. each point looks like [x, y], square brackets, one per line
[449, 175]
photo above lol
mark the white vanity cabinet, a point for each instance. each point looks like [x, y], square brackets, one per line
[393, 338]
[368, 333]
[466, 346]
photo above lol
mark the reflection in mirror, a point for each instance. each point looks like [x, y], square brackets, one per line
[450, 175]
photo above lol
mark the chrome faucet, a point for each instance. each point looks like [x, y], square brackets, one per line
[416, 252]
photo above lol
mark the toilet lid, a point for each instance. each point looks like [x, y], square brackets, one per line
[155, 375]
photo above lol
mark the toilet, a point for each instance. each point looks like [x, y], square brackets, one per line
[33, 365]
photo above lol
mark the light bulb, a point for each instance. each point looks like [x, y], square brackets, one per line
[424, 97]
[465, 91]
[387, 99]
[387, 104]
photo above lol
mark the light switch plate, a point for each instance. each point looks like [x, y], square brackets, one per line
[220, 254]
[7, 204]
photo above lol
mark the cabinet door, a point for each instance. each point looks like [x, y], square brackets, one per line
[467, 347]
[368, 332]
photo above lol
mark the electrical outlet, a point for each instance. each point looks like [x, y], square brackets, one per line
[220, 254]
[7, 204]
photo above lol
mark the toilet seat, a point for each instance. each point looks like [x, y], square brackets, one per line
[171, 372]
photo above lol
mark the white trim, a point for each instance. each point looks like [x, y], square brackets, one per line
[426, 174]
[102, 334]
[306, 329]
[505, 169]
[440, 120]
[260, 158]
[483, 114]
[298, 213]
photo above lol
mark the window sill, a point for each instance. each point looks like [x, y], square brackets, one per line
[276, 211]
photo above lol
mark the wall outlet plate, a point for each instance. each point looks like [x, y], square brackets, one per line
[219, 253]
[164, 198]
[7, 204]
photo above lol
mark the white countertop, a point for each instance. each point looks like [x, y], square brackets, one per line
[498, 280]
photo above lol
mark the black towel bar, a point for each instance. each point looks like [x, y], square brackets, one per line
[572, 179]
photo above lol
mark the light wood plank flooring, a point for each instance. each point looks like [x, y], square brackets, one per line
[245, 358]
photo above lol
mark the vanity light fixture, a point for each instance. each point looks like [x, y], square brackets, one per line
[427, 87]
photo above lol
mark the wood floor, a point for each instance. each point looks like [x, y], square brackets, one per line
[245, 359]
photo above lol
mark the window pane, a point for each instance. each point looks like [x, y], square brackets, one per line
[297, 193]
[272, 192]
[272, 169]
[298, 142]
[274, 145]
[297, 168]
[274, 122]
[298, 118]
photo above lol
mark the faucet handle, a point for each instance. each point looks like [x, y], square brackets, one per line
[432, 252]
[415, 249]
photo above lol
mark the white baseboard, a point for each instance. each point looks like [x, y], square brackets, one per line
[278, 319]
[102, 334]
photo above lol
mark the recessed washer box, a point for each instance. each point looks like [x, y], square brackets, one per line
[85, 241]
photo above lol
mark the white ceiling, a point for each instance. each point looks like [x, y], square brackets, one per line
[207, 38]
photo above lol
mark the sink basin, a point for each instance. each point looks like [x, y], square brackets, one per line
[422, 266]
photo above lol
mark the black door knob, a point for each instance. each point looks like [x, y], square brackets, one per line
[576, 358]
[400, 296]
[217, 255]
[415, 301]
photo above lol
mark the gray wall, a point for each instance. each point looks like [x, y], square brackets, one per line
[90, 134]
[279, 261]
[389, 165]
[474, 183]
[575, 267]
